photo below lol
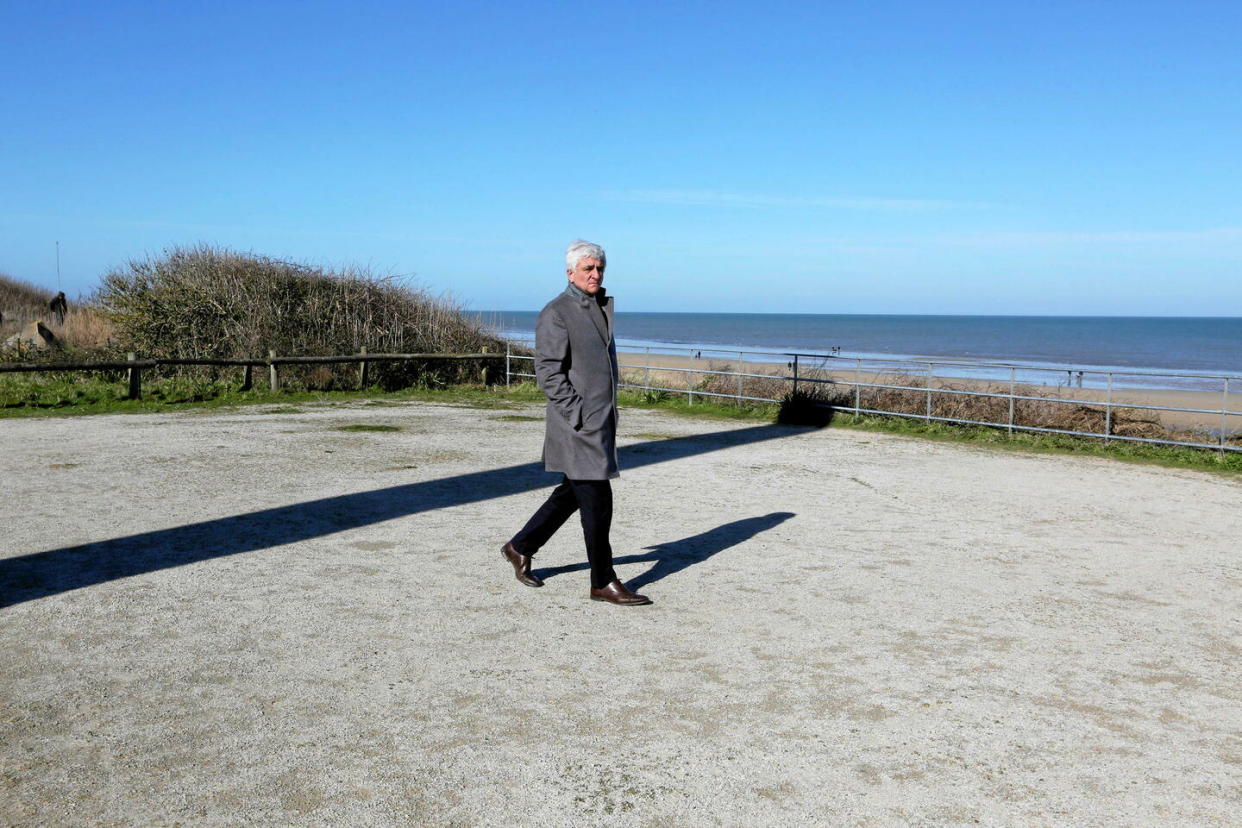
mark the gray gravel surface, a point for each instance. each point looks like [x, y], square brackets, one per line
[255, 616]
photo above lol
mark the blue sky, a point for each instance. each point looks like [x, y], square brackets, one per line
[835, 157]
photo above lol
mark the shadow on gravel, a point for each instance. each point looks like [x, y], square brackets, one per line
[41, 574]
[674, 556]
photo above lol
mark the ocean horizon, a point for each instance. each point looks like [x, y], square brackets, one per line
[1039, 347]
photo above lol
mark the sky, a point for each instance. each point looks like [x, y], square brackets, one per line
[1064, 158]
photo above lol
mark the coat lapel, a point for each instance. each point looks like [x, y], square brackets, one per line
[597, 319]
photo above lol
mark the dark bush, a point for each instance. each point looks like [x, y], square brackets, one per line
[206, 302]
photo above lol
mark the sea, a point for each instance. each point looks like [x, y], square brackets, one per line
[1138, 352]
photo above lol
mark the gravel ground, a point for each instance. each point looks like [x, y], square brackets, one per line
[258, 616]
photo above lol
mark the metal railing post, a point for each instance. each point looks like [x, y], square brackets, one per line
[508, 369]
[1012, 381]
[647, 370]
[857, 387]
[927, 383]
[690, 382]
[1108, 409]
[1224, 420]
[135, 377]
[795, 375]
[739, 378]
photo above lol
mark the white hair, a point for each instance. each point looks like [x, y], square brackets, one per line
[580, 250]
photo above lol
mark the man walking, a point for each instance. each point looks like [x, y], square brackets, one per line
[59, 307]
[576, 366]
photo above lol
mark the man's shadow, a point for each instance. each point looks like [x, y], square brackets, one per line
[49, 572]
[674, 556]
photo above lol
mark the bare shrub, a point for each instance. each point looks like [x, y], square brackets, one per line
[207, 302]
[813, 405]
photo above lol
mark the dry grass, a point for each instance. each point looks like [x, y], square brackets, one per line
[84, 328]
[838, 392]
[22, 301]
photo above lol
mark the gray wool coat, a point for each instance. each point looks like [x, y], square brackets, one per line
[576, 366]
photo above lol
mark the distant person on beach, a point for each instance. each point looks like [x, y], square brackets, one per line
[576, 366]
[59, 307]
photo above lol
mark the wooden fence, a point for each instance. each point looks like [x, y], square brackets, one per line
[134, 366]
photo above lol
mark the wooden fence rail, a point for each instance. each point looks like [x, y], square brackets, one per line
[134, 366]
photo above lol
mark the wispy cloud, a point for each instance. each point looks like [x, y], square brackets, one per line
[720, 198]
[1116, 237]
[208, 230]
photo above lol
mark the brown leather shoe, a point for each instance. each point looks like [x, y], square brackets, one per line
[616, 593]
[521, 566]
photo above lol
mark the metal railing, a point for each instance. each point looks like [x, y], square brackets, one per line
[851, 376]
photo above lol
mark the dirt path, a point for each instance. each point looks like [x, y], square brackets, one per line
[243, 616]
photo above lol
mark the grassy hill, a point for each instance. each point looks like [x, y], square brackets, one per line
[208, 302]
[22, 302]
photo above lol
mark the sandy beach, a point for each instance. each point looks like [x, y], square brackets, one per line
[257, 616]
[1138, 398]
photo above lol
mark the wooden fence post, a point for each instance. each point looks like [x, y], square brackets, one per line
[248, 378]
[135, 378]
[484, 372]
[273, 377]
[363, 372]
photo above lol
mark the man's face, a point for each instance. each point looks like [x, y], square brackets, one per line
[588, 275]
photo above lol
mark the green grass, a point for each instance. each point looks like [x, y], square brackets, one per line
[28, 395]
[1180, 457]
[78, 393]
[702, 407]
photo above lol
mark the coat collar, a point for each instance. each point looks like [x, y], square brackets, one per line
[585, 300]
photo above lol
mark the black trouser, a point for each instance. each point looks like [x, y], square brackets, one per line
[594, 499]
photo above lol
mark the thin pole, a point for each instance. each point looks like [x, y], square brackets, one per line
[928, 384]
[1224, 406]
[690, 382]
[1012, 378]
[1108, 409]
[857, 387]
[740, 368]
